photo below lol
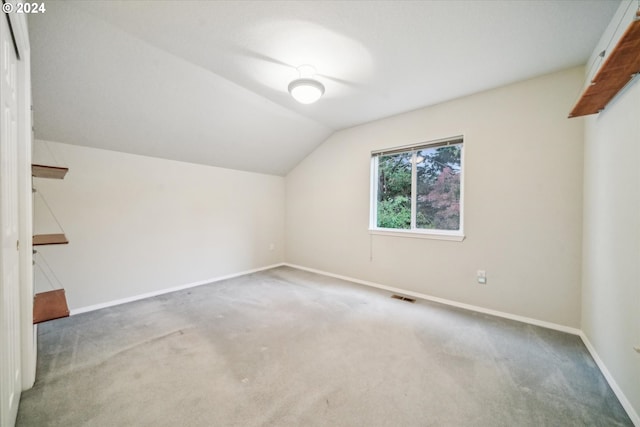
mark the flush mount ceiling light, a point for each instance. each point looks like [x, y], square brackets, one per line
[306, 89]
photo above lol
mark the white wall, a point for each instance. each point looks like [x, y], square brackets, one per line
[138, 225]
[523, 203]
[611, 261]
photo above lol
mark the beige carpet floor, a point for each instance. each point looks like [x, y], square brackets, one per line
[290, 348]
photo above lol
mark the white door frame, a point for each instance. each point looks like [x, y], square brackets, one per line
[28, 348]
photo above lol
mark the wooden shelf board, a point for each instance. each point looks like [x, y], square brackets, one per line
[614, 74]
[49, 239]
[49, 306]
[42, 171]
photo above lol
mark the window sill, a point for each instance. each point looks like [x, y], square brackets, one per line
[454, 236]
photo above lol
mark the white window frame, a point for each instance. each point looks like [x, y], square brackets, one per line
[413, 232]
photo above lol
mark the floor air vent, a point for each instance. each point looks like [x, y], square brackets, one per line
[400, 297]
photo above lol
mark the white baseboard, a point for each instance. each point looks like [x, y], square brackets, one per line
[168, 290]
[452, 303]
[612, 382]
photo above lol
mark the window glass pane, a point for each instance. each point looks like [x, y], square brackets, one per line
[394, 191]
[438, 188]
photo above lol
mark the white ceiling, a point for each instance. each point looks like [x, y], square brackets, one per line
[205, 81]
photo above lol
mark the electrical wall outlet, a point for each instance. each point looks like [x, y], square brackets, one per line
[482, 277]
[272, 246]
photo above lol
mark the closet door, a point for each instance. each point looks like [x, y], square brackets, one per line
[10, 380]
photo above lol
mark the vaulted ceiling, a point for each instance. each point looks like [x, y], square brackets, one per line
[206, 81]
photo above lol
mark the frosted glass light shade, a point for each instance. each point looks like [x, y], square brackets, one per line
[306, 91]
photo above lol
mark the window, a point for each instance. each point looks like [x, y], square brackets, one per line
[417, 190]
